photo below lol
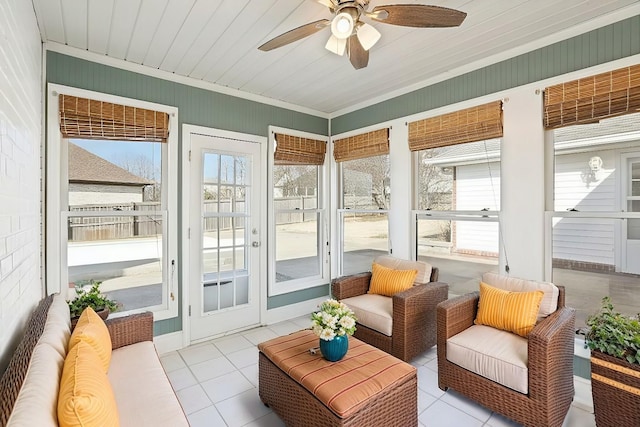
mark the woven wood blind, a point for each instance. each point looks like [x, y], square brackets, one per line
[294, 150]
[361, 146]
[591, 99]
[90, 119]
[468, 125]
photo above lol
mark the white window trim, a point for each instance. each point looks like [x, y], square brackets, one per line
[280, 288]
[55, 254]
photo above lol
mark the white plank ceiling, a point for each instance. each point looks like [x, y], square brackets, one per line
[215, 41]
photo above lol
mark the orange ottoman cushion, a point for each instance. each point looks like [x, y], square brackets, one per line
[344, 386]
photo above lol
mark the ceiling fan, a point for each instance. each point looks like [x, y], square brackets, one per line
[351, 35]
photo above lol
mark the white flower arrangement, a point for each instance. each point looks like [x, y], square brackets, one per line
[332, 319]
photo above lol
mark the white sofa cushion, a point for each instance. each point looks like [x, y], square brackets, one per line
[57, 327]
[424, 269]
[142, 390]
[549, 302]
[373, 311]
[494, 354]
[37, 403]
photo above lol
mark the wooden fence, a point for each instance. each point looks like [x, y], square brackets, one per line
[90, 228]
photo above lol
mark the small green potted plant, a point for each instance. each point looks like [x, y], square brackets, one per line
[614, 340]
[93, 298]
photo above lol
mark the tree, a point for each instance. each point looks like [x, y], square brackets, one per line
[144, 167]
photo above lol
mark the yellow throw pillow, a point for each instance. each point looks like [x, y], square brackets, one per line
[92, 330]
[85, 397]
[510, 311]
[386, 281]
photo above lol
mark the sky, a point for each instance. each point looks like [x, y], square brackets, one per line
[115, 151]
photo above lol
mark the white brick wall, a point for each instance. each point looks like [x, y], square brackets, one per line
[20, 151]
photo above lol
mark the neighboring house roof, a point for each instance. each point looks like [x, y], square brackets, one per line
[86, 167]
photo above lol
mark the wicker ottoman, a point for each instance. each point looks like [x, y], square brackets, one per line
[368, 387]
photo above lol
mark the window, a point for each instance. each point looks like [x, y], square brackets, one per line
[300, 247]
[595, 244]
[365, 184]
[457, 193]
[114, 200]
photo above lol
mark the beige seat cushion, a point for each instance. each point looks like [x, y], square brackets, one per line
[373, 311]
[142, 390]
[38, 399]
[424, 269]
[494, 354]
[549, 302]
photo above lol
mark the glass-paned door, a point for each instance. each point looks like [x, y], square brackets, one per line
[225, 245]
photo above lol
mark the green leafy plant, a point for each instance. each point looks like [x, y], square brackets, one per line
[90, 298]
[614, 334]
[333, 318]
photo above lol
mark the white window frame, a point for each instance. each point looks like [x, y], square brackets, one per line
[57, 186]
[288, 286]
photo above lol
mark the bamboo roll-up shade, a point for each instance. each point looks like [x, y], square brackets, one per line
[591, 99]
[361, 146]
[294, 150]
[468, 125]
[90, 119]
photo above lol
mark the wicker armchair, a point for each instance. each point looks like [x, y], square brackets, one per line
[550, 365]
[413, 313]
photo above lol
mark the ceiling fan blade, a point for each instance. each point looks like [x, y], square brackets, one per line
[357, 55]
[295, 34]
[418, 15]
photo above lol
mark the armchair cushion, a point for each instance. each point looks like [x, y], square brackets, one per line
[373, 311]
[491, 353]
[510, 311]
[424, 269]
[386, 281]
[549, 303]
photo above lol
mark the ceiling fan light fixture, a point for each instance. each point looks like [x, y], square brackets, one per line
[336, 45]
[342, 25]
[368, 36]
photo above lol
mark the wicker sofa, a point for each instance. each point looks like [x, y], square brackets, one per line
[29, 386]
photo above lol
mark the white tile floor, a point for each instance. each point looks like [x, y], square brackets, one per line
[216, 383]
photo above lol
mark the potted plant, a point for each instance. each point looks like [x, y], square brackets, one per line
[332, 323]
[614, 340]
[93, 298]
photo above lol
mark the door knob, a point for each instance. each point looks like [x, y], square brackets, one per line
[255, 244]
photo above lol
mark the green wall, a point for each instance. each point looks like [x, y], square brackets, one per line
[605, 44]
[197, 107]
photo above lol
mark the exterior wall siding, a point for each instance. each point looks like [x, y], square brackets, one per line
[20, 155]
[89, 194]
[581, 242]
[477, 187]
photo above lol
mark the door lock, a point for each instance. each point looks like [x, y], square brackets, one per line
[255, 244]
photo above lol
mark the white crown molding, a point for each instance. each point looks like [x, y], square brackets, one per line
[601, 21]
[165, 75]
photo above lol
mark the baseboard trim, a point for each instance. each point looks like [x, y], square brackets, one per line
[291, 311]
[168, 342]
[583, 398]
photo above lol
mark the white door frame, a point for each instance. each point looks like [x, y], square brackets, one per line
[625, 172]
[187, 130]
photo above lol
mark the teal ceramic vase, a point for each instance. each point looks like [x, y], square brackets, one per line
[335, 349]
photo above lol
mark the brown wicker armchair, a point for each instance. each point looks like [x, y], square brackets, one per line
[413, 312]
[549, 348]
